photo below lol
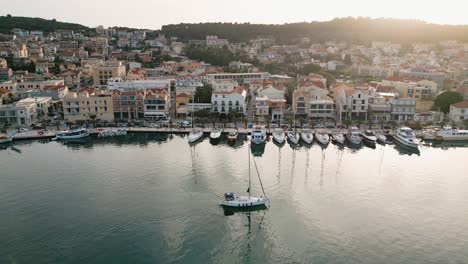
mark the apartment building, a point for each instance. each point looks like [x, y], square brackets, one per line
[88, 104]
[403, 109]
[18, 115]
[230, 101]
[239, 77]
[102, 74]
[459, 112]
[352, 104]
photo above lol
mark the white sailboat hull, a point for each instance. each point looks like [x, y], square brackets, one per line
[244, 202]
[308, 138]
[195, 136]
[279, 138]
[293, 137]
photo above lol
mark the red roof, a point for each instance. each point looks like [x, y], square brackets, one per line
[463, 104]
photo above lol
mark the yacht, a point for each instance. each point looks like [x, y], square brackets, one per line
[369, 137]
[293, 137]
[406, 137]
[381, 138]
[338, 137]
[450, 134]
[195, 135]
[278, 136]
[307, 136]
[353, 136]
[73, 133]
[258, 135]
[6, 138]
[232, 136]
[234, 200]
[215, 134]
[322, 138]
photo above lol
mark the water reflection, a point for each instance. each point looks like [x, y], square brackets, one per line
[257, 149]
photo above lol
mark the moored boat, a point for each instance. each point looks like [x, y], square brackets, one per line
[278, 136]
[369, 137]
[7, 138]
[307, 136]
[258, 135]
[195, 135]
[73, 133]
[353, 136]
[322, 138]
[232, 136]
[338, 137]
[381, 138]
[215, 134]
[451, 134]
[293, 137]
[405, 136]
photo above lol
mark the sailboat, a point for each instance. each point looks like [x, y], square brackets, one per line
[196, 133]
[293, 136]
[234, 200]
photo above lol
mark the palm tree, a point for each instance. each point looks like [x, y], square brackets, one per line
[370, 122]
[393, 124]
[347, 123]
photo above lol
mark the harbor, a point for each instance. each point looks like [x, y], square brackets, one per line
[162, 193]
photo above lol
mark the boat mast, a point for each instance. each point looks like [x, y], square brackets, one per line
[248, 152]
[193, 100]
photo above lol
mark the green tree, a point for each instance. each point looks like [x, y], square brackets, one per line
[445, 99]
[203, 94]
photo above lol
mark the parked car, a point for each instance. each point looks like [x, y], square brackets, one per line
[273, 126]
[231, 125]
[284, 126]
[121, 125]
[319, 126]
[23, 129]
[330, 126]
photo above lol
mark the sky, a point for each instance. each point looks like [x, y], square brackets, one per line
[152, 14]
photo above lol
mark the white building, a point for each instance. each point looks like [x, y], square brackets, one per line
[231, 101]
[215, 41]
[42, 104]
[224, 85]
[431, 116]
[459, 112]
[238, 77]
[403, 109]
[135, 85]
[352, 104]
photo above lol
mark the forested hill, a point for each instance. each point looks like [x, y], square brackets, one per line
[7, 23]
[347, 29]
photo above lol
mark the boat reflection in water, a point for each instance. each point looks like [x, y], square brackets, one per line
[405, 150]
[448, 145]
[257, 149]
[228, 211]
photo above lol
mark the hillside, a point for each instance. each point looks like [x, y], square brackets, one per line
[347, 29]
[7, 23]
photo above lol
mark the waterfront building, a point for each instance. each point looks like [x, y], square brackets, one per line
[239, 77]
[430, 116]
[5, 74]
[459, 112]
[379, 108]
[42, 104]
[102, 73]
[88, 104]
[403, 109]
[136, 85]
[18, 115]
[352, 104]
[157, 103]
[128, 104]
[230, 101]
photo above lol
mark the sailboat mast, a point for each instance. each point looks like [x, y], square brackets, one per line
[192, 108]
[248, 153]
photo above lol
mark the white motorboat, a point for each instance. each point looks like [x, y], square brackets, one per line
[322, 138]
[278, 136]
[7, 138]
[369, 137]
[244, 201]
[338, 137]
[450, 134]
[293, 137]
[353, 136]
[73, 133]
[215, 134]
[307, 136]
[381, 138]
[258, 135]
[195, 135]
[406, 137]
[232, 136]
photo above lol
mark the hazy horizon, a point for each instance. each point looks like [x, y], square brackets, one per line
[152, 14]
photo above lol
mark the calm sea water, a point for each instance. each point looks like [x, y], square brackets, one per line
[150, 198]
